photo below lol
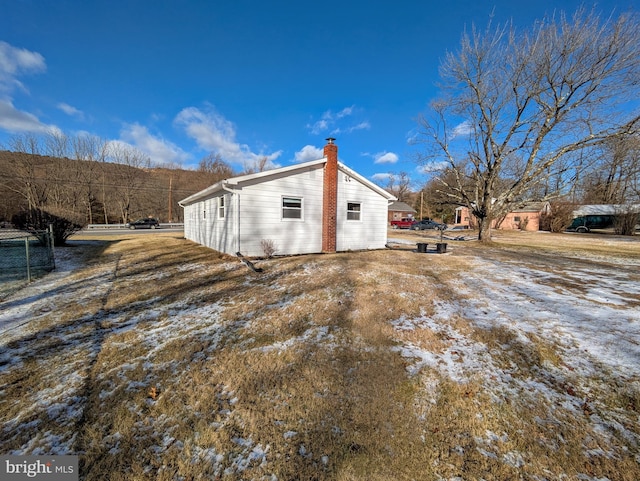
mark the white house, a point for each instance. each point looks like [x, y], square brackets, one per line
[316, 206]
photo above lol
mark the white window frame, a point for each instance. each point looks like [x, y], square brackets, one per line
[292, 209]
[351, 211]
[221, 207]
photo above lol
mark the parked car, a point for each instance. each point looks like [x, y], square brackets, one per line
[148, 223]
[404, 223]
[428, 224]
[587, 222]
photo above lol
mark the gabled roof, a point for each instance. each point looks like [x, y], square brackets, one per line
[230, 183]
[532, 207]
[398, 206]
[606, 209]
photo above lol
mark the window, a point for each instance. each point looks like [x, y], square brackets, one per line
[353, 210]
[204, 213]
[291, 208]
[221, 207]
[516, 218]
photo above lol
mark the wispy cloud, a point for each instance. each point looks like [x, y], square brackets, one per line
[462, 129]
[382, 176]
[333, 123]
[307, 153]
[15, 62]
[345, 112]
[213, 133]
[14, 120]
[158, 149]
[71, 111]
[433, 167]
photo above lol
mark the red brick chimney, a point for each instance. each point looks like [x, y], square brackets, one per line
[330, 197]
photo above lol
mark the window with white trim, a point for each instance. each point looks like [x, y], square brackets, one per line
[292, 208]
[221, 207]
[354, 209]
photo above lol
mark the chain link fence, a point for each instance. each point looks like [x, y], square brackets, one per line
[23, 257]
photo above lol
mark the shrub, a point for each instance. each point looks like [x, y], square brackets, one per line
[268, 247]
[36, 221]
[559, 217]
[625, 221]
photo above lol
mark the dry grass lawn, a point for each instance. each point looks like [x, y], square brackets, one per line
[160, 359]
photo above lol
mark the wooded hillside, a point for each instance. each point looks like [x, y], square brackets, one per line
[91, 192]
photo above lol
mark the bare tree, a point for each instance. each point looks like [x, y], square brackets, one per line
[517, 105]
[213, 164]
[399, 185]
[614, 177]
[56, 144]
[28, 178]
[128, 177]
[259, 164]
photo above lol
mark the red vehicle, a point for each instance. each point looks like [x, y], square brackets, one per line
[404, 223]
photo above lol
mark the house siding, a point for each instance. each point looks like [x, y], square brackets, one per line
[261, 214]
[254, 211]
[526, 219]
[370, 232]
[203, 225]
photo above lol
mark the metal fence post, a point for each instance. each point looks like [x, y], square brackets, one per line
[51, 247]
[26, 248]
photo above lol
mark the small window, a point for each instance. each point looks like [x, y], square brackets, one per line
[221, 207]
[291, 208]
[204, 213]
[353, 210]
[516, 218]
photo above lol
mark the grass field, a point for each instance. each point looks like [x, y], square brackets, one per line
[155, 358]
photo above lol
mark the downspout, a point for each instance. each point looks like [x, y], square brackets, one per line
[237, 213]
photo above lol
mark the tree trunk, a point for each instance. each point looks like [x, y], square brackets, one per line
[484, 229]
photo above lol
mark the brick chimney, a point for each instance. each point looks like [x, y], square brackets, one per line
[330, 197]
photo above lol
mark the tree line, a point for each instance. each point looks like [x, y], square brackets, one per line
[89, 180]
[608, 174]
[545, 113]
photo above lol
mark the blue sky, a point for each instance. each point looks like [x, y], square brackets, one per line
[180, 79]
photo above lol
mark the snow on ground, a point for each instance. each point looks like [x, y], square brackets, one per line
[589, 312]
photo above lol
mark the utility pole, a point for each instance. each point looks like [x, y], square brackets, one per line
[170, 199]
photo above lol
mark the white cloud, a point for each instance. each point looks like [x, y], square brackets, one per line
[385, 158]
[337, 123]
[213, 133]
[412, 136]
[15, 62]
[307, 153]
[318, 127]
[158, 149]
[433, 166]
[382, 177]
[365, 125]
[462, 130]
[14, 120]
[71, 111]
[345, 112]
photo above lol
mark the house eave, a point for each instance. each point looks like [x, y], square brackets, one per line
[376, 188]
[227, 184]
[205, 193]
